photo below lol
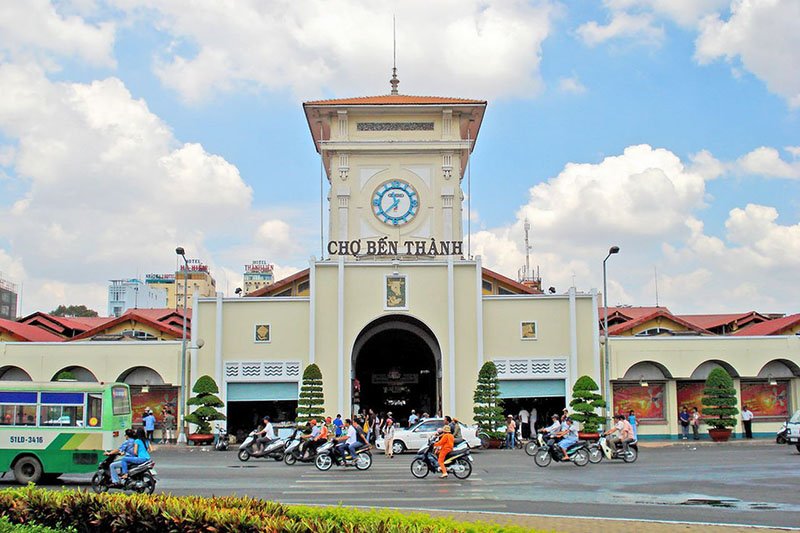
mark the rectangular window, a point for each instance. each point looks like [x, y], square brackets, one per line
[7, 415]
[17, 397]
[63, 398]
[26, 415]
[487, 286]
[94, 409]
[120, 401]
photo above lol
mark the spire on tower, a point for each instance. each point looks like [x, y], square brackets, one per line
[394, 81]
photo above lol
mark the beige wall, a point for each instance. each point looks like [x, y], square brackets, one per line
[106, 360]
[682, 355]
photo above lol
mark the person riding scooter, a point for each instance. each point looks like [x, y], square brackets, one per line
[620, 434]
[266, 435]
[348, 441]
[550, 431]
[569, 436]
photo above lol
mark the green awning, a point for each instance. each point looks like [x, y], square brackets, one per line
[262, 392]
[532, 388]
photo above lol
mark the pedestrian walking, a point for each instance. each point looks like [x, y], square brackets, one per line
[511, 432]
[634, 422]
[388, 438]
[149, 421]
[696, 423]
[747, 422]
[169, 426]
[685, 419]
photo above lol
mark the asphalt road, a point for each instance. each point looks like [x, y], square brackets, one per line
[752, 484]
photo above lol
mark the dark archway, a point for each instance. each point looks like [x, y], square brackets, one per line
[397, 367]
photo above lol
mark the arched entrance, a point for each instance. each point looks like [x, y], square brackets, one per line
[397, 367]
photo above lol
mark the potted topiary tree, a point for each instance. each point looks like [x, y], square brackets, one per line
[205, 389]
[719, 401]
[489, 407]
[585, 400]
[309, 405]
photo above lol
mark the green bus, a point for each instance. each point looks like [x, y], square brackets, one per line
[53, 428]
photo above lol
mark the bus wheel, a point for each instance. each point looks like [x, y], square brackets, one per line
[27, 470]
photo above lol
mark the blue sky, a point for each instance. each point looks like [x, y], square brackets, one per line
[669, 128]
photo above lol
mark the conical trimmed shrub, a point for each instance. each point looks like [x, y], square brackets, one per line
[311, 401]
[585, 400]
[488, 405]
[206, 398]
[719, 400]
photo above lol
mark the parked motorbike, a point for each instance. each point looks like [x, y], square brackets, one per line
[250, 448]
[783, 432]
[222, 443]
[458, 462]
[326, 457]
[610, 453]
[141, 478]
[578, 453]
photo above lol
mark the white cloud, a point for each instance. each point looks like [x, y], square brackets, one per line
[312, 48]
[762, 36]
[647, 202]
[108, 187]
[766, 161]
[37, 27]
[639, 27]
[571, 85]
[794, 150]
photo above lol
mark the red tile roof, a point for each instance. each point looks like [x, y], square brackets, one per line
[156, 318]
[714, 321]
[523, 289]
[278, 286]
[27, 333]
[663, 312]
[630, 312]
[770, 327]
[395, 99]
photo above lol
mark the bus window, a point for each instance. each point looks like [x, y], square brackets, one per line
[94, 411]
[72, 415]
[26, 415]
[120, 401]
[6, 415]
[50, 415]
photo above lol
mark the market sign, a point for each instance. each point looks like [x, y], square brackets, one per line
[384, 246]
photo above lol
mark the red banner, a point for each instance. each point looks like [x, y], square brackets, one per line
[766, 400]
[157, 399]
[646, 402]
[690, 394]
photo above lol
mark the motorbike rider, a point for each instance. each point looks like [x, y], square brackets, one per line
[569, 436]
[614, 435]
[306, 439]
[628, 436]
[551, 430]
[348, 441]
[126, 449]
[444, 446]
[315, 441]
[266, 435]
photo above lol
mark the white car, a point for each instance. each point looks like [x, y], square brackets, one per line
[417, 436]
[793, 430]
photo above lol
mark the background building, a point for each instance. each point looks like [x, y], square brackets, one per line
[124, 294]
[199, 280]
[8, 299]
[257, 275]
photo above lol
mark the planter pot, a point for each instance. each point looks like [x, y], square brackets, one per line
[200, 438]
[496, 443]
[592, 437]
[720, 434]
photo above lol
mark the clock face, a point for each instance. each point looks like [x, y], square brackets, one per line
[395, 203]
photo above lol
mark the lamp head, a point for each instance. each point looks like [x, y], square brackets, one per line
[180, 251]
[613, 250]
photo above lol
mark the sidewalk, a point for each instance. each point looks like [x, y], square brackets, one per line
[661, 443]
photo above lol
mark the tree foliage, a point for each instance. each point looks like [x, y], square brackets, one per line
[585, 400]
[66, 375]
[311, 400]
[73, 311]
[205, 389]
[719, 400]
[488, 405]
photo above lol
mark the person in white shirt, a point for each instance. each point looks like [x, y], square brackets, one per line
[747, 422]
[524, 421]
[413, 418]
[267, 434]
[551, 430]
[388, 438]
[534, 418]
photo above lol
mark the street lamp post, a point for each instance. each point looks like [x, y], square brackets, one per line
[606, 363]
[182, 433]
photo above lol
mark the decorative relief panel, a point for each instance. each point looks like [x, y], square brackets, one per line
[262, 371]
[531, 368]
[394, 126]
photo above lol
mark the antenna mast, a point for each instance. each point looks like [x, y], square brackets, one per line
[394, 81]
[526, 274]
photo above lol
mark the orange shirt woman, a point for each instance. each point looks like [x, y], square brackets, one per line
[445, 446]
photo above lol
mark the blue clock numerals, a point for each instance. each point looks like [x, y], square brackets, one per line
[395, 203]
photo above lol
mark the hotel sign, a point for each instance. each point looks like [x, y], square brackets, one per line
[384, 246]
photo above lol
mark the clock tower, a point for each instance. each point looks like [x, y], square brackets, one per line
[395, 165]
